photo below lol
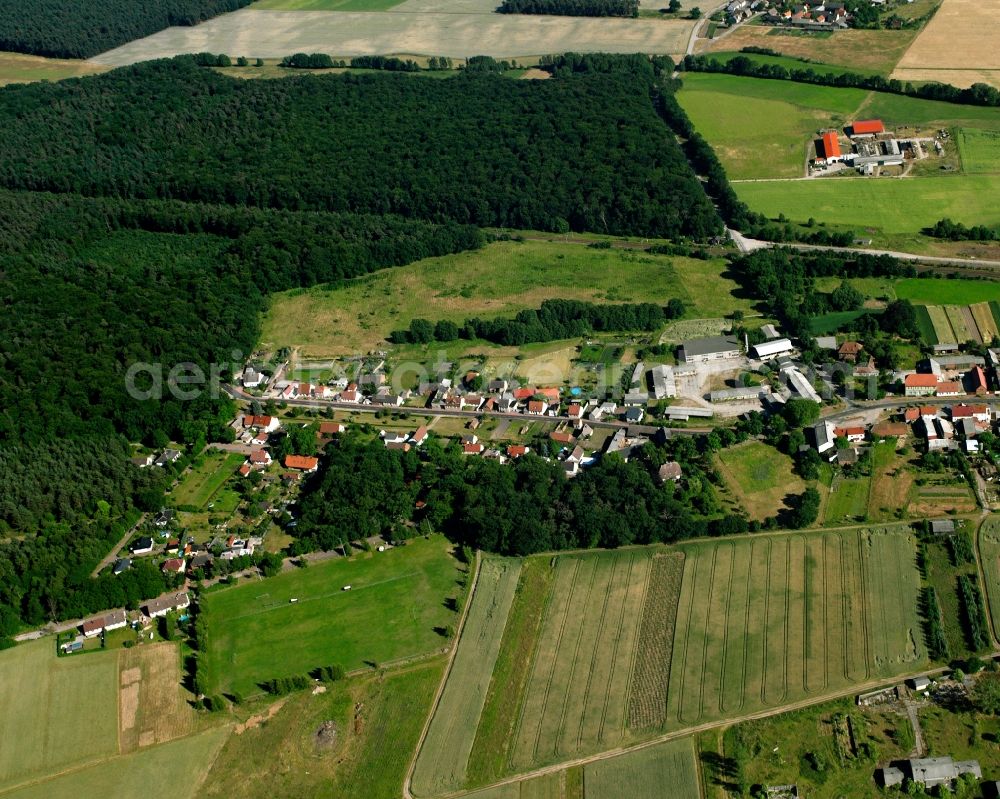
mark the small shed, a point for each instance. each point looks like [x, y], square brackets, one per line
[942, 526]
[920, 683]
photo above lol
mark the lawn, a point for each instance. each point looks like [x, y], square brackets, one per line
[643, 774]
[396, 608]
[989, 558]
[57, 712]
[200, 484]
[889, 206]
[829, 323]
[891, 483]
[980, 150]
[444, 755]
[769, 620]
[498, 280]
[172, 771]
[286, 758]
[760, 477]
[939, 291]
[848, 500]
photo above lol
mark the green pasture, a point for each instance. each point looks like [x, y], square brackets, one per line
[200, 484]
[946, 291]
[643, 774]
[396, 608]
[980, 150]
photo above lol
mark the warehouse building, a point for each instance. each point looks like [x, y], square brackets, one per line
[866, 128]
[772, 349]
[713, 348]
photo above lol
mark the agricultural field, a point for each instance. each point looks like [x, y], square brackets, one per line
[354, 740]
[18, 68]
[889, 206]
[152, 709]
[931, 291]
[768, 620]
[644, 773]
[759, 477]
[943, 331]
[326, 5]
[958, 324]
[396, 608]
[955, 47]
[980, 150]
[201, 483]
[498, 280]
[172, 771]
[415, 28]
[583, 664]
[989, 558]
[444, 755]
[58, 712]
[856, 50]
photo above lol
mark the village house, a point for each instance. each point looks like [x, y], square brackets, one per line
[517, 450]
[142, 546]
[883, 430]
[142, 461]
[918, 385]
[473, 448]
[537, 407]
[121, 566]
[420, 436]
[303, 463]
[113, 620]
[330, 429]
[163, 605]
[174, 566]
[849, 351]
[669, 472]
[252, 378]
[168, 456]
[854, 435]
[978, 413]
[950, 388]
[260, 458]
[562, 437]
[575, 411]
[266, 424]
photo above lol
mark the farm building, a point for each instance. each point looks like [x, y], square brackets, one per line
[823, 436]
[713, 348]
[828, 148]
[664, 383]
[634, 398]
[744, 393]
[889, 430]
[915, 385]
[771, 349]
[683, 413]
[866, 128]
[920, 683]
[932, 771]
[941, 526]
[802, 386]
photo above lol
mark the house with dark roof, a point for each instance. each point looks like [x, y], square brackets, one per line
[712, 348]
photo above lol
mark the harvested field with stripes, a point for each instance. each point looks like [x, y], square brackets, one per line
[152, 707]
[646, 773]
[443, 758]
[956, 315]
[942, 326]
[978, 322]
[987, 324]
[768, 620]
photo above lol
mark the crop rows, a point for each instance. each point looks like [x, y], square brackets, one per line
[648, 692]
[983, 315]
[958, 324]
[942, 327]
[976, 626]
[770, 620]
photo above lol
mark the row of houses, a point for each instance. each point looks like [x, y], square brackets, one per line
[117, 619]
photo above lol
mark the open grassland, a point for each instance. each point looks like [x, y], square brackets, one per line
[56, 712]
[932, 291]
[576, 698]
[955, 42]
[274, 34]
[326, 5]
[986, 322]
[980, 150]
[396, 608]
[760, 477]
[444, 755]
[18, 68]
[876, 51]
[645, 774]
[958, 323]
[498, 280]
[370, 728]
[172, 771]
[848, 500]
[152, 707]
[989, 559]
[891, 206]
[768, 620]
[891, 483]
[203, 481]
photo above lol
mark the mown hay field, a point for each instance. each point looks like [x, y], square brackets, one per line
[942, 324]
[172, 771]
[395, 609]
[760, 477]
[669, 769]
[152, 707]
[980, 150]
[57, 712]
[203, 482]
[958, 40]
[444, 756]
[18, 68]
[774, 619]
[989, 558]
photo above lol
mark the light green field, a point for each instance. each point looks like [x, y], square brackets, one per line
[760, 477]
[444, 755]
[203, 482]
[980, 150]
[645, 773]
[989, 559]
[55, 712]
[769, 620]
[936, 291]
[18, 68]
[498, 280]
[848, 501]
[326, 5]
[892, 206]
[171, 771]
[283, 758]
[396, 601]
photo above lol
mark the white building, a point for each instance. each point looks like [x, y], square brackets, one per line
[772, 349]
[713, 348]
[664, 382]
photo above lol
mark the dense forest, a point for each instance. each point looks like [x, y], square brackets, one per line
[584, 152]
[572, 8]
[100, 284]
[556, 319]
[84, 28]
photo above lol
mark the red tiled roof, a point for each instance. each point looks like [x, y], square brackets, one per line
[562, 438]
[516, 450]
[967, 411]
[330, 428]
[523, 393]
[920, 381]
[256, 421]
[950, 387]
[173, 565]
[831, 145]
[868, 126]
[305, 462]
[847, 432]
[536, 406]
[911, 414]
